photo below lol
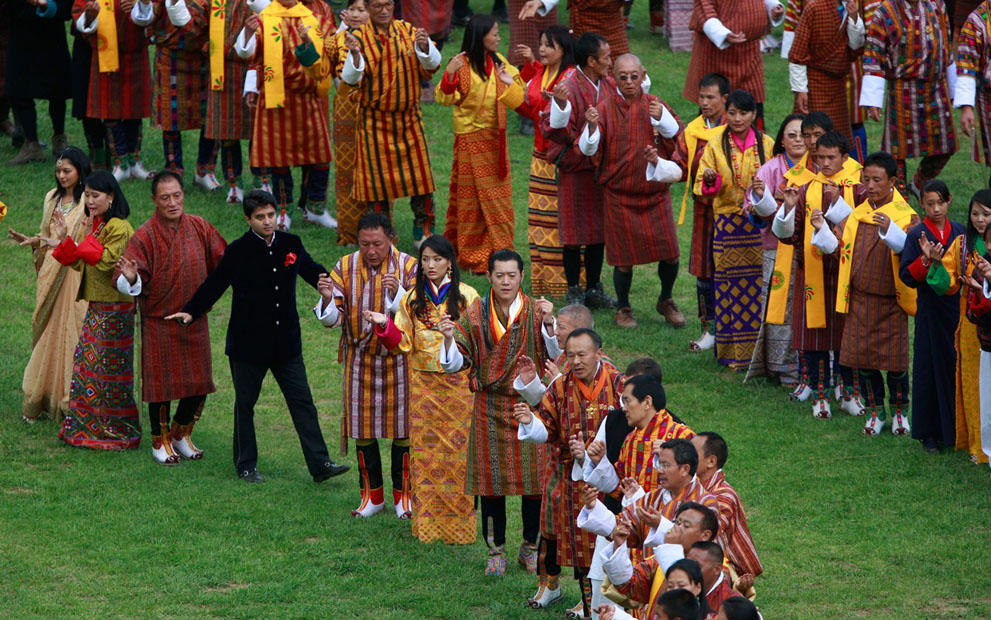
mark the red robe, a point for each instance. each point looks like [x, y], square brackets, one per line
[734, 532]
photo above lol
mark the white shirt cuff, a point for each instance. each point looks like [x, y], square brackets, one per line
[142, 14]
[856, 33]
[838, 211]
[770, 5]
[178, 13]
[349, 73]
[894, 238]
[872, 92]
[633, 499]
[616, 563]
[602, 476]
[450, 358]
[666, 125]
[430, 60]
[667, 554]
[559, 118]
[534, 432]
[532, 392]
[598, 520]
[717, 32]
[245, 48]
[392, 305]
[645, 87]
[655, 537]
[951, 77]
[664, 171]
[251, 81]
[127, 288]
[577, 471]
[825, 240]
[83, 28]
[589, 144]
[798, 78]
[783, 226]
[550, 340]
[787, 38]
[546, 6]
[327, 314]
[766, 206]
[258, 5]
[987, 289]
[965, 92]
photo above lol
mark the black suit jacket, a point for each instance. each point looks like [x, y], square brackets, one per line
[264, 324]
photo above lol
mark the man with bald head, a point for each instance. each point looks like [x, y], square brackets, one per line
[633, 139]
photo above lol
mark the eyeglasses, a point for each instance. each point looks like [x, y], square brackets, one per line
[793, 135]
[380, 6]
[633, 77]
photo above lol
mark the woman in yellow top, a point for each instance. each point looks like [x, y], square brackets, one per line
[726, 171]
[440, 403]
[58, 316]
[102, 413]
[481, 84]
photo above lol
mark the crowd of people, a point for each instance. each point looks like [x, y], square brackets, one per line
[808, 257]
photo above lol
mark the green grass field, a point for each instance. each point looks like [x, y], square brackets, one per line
[846, 526]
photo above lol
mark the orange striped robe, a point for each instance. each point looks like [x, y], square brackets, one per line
[733, 528]
[376, 380]
[636, 458]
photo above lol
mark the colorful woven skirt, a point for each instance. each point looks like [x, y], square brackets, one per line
[546, 262]
[737, 260]
[181, 84]
[102, 413]
[440, 421]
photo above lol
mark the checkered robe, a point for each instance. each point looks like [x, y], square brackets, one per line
[434, 16]
[735, 533]
[640, 227]
[172, 262]
[974, 60]
[741, 63]
[125, 93]
[635, 457]
[498, 463]
[603, 17]
[182, 73]
[565, 411]
[579, 195]
[376, 380]
[526, 32]
[910, 48]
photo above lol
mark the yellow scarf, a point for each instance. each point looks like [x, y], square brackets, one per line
[218, 13]
[901, 214]
[815, 289]
[694, 131]
[106, 37]
[272, 35]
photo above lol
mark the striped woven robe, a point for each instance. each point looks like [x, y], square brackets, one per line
[181, 73]
[734, 532]
[604, 17]
[635, 457]
[973, 56]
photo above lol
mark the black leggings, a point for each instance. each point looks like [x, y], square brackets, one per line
[26, 115]
[494, 509]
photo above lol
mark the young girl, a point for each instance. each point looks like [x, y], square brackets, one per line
[932, 262]
[480, 84]
[547, 271]
[727, 168]
[979, 312]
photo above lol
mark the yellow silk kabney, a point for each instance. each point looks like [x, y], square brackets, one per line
[901, 214]
[694, 131]
[106, 37]
[218, 13]
[272, 24]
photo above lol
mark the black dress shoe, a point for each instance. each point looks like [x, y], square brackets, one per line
[930, 445]
[250, 475]
[330, 470]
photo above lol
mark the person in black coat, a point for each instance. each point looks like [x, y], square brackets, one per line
[38, 67]
[263, 332]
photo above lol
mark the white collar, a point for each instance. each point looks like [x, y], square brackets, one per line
[715, 585]
[514, 309]
[267, 243]
[594, 84]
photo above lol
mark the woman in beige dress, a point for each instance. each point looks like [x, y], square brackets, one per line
[58, 316]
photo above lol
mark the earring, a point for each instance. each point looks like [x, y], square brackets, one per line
[449, 271]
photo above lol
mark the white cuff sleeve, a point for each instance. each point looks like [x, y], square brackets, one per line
[965, 92]
[244, 47]
[633, 499]
[258, 5]
[127, 288]
[616, 563]
[663, 171]
[328, 314]
[668, 554]
[951, 78]
[178, 13]
[451, 359]
[766, 206]
[577, 471]
[872, 92]
[987, 289]
[666, 126]
[83, 28]
[717, 32]
[838, 211]
[856, 33]
[770, 5]
[783, 226]
[534, 432]
[655, 537]
[894, 238]
[602, 476]
[392, 305]
[142, 14]
[559, 118]
[550, 340]
[546, 6]
[532, 392]
[598, 520]
[349, 73]
[825, 240]
[430, 60]
[589, 144]
[798, 78]
[251, 81]
[645, 85]
[787, 38]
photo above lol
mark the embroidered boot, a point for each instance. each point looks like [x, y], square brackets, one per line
[402, 494]
[548, 592]
[161, 450]
[528, 557]
[496, 565]
[370, 479]
[182, 442]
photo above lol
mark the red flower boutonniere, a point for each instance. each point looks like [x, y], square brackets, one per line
[290, 259]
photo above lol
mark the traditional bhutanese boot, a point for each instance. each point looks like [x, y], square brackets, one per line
[370, 479]
[705, 342]
[137, 171]
[851, 402]
[577, 612]
[528, 557]
[182, 441]
[161, 449]
[548, 592]
[820, 407]
[496, 566]
[316, 213]
[899, 423]
[802, 391]
[402, 493]
[284, 221]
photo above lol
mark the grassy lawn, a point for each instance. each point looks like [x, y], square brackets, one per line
[846, 526]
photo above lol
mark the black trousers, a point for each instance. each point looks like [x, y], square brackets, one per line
[494, 518]
[291, 377]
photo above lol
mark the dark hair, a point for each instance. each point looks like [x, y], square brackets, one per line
[644, 386]
[478, 26]
[885, 161]
[562, 36]
[257, 198]
[936, 186]
[585, 331]
[712, 549]
[742, 100]
[693, 570]
[79, 161]
[710, 520]
[164, 175]
[716, 446]
[983, 198]
[715, 79]
[588, 46]
[455, 300]
[834, 140]
[373, 220]
[779, 141]
[740, 608]
[817, 119]
[103, 181]
[503, 255]
[684, 453]
[645, 366]
[351, 3]
[679, 604]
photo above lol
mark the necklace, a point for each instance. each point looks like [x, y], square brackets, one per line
[738, 167]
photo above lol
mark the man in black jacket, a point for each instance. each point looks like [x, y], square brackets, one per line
[263, 332]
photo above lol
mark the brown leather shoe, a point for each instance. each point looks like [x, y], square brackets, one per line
[624, 318]
[669, 310]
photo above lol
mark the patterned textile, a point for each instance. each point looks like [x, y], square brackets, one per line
[526, 32]
[180, 95]
[603, 17]
[667, 504]
[972, 61]
[635, 459]
[546, 262]
[700, 256]
[736, 253]
[102, 413]
[735, 533]
[741, 63]
[968, 396]
[349, 210]
[434, 16]
[480, 211]
[773, 352]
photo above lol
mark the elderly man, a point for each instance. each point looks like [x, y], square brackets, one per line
[165, 261]
[376, 380]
